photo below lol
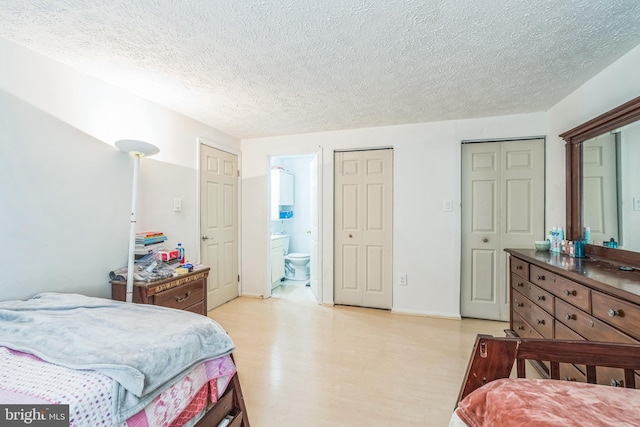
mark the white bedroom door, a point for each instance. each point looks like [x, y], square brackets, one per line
[219, 223]
[502, 207]
[363, 228]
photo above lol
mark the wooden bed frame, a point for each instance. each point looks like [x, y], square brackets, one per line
[230, 403]
[493, 358]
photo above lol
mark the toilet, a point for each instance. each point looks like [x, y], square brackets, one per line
[296, 266]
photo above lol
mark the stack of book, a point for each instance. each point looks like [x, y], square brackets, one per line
[149, 241]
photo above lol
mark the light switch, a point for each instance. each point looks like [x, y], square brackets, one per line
[403, 279]
[636, 203]
[447, 206]
[177, 204]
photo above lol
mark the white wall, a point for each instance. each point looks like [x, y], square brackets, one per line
[615, 85]
[65, 191]
[102, 110]
[65, 205]
[427, 171]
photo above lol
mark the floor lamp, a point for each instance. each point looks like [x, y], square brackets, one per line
[136, 149]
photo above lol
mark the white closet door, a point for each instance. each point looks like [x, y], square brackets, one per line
[363, 228]
[502, 207]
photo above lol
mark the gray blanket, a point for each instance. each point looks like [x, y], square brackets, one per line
[143, 348]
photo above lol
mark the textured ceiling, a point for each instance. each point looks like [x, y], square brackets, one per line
[254, 68]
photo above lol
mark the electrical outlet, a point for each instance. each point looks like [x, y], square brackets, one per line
[403, 280]
[177, 204]
[636, 203]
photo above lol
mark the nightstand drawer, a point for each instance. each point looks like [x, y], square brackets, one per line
[181, 297]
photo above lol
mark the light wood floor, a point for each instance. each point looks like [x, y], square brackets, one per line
[305, 365]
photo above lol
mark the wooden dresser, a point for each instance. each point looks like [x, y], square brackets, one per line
[556, 296]
[185, 292]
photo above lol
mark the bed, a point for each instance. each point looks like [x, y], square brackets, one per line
[118, 364]
[490, 397]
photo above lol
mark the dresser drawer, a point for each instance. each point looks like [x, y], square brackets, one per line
[574, 293]
[519, 267]
[535, 316]
[181, 297]
[543, 278]
[563, 332]
[606, 376]
[523, 329]
[587, 325]
[613, 377]
[536, 294]
[615, 312]
[569, 371]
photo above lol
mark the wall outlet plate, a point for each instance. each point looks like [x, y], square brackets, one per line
[636, 203]
[403, 279]
[177, 204]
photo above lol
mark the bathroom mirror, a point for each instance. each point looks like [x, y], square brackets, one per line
[603, 182]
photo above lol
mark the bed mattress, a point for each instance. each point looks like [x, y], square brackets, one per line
[26, 379]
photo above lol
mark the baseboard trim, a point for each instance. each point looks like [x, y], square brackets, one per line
[427, 314]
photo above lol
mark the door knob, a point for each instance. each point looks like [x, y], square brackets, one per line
[350, 235]
[485, 240]
[205, 237]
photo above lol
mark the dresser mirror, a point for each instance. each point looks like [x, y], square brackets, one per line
[603, 183]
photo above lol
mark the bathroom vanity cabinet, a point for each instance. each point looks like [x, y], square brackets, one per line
[278, 251]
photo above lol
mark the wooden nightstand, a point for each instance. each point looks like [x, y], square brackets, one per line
[185, 292]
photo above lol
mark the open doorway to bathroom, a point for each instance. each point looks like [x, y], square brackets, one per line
[293, 217]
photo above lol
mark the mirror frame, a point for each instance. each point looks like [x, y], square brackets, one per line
[622, 115]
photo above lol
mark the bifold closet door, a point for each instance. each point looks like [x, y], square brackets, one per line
[363, 224]
[502, 207]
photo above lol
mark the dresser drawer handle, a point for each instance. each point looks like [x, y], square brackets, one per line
[519, 304]
[569, 379]
[541, 298]
[520, 284]
[615, 383]
[518, 267]
[184, 298]
[570, 293]
[540, 322]
[570, 316]
[613, 313]
[540, 277]
[521, 328]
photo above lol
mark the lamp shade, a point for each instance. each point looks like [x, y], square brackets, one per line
[136, 147]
